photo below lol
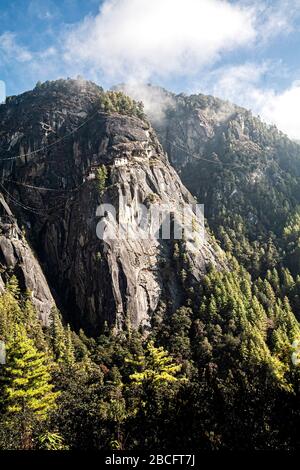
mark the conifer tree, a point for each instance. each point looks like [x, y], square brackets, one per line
[101, 177]
[13, 287]
[33, 323]
[10, 310]
[287, 281]
[57, 335]
[69, 350]
[154, 367]
[26, 391]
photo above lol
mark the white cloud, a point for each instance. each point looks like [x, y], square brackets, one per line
[155, 99]
[276, 17]
[283, 109]
[136, 41]
[139, 40]
[242, 85]
[142, 39]
[237, 82]
[19, 61]
[10, 49]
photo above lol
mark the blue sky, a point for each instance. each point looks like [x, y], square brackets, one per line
[241, 50]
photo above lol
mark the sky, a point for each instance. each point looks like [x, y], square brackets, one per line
[244, 51]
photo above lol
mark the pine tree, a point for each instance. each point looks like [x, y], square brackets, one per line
[273, 278]
[287, 281]
[70, 350]
[155, 367]
[101, 177]
[57, 335]
[26, 391]
[10, 310]
[13, 287]
[33, 324]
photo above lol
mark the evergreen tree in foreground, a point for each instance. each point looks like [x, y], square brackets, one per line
[26, 391]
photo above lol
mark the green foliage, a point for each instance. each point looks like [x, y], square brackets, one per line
[244, 332]
[291, 239]
[216, 374]
[51, 441]
[25, 378]
[154, 367]
[118, 102]
[27, 396]
[57, 335]
[101, 177]
[69, 346]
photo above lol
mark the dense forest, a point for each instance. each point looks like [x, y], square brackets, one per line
[215, 375]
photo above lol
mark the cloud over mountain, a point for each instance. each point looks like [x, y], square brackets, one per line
[138, 39]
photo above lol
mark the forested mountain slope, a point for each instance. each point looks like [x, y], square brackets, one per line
[245, 172]
[160, 344]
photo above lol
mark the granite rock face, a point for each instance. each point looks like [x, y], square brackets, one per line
[17, 257]
[63, 138]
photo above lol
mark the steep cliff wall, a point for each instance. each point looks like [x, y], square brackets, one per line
[63, 137]
[17, 258]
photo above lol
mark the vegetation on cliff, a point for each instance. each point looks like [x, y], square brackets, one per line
[118, 102]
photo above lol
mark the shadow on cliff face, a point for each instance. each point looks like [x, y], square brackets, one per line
[118, 282]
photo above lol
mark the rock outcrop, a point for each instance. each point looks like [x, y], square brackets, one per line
[55, 139]
[17, 258]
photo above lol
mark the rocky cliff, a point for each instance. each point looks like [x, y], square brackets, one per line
[53, 142]
[17, 258]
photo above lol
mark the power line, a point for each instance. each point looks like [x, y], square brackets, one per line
[45, 147]
[34, 152]
[18, 203]
[32, 209]
[197, 157]
[28, 208]
[42, 188]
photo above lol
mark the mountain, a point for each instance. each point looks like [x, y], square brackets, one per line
[137, 342]
[245, 172]
[53, 140]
